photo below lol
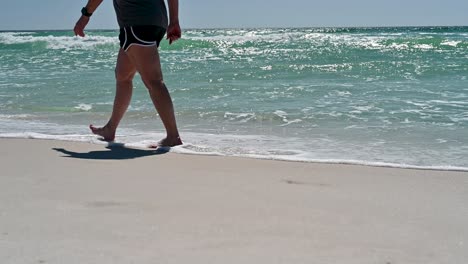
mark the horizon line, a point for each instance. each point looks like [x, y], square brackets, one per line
[248, 27]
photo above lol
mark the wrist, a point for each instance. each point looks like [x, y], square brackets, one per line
[85, 12]
[174, 21]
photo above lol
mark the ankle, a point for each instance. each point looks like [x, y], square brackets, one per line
[173, 136]
[110, 126]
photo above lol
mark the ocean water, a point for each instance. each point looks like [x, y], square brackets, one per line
[377, 96]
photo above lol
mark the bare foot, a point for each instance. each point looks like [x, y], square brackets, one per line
[167, 142]
[105, 132]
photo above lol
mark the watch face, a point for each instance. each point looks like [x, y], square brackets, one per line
[84, 12]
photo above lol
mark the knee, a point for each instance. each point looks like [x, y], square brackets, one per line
[121, 76]
[154, 84]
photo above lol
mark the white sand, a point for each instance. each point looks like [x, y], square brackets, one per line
[173, 208]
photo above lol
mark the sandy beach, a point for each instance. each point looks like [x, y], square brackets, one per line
[69, 202]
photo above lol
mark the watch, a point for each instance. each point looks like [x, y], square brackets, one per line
[85, 12]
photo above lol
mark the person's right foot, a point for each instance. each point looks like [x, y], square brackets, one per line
[167, 142]
[105, 132]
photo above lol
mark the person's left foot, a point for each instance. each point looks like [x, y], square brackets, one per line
[105, 132]
[167, 142]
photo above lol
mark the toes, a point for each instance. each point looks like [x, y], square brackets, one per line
[94, 129]
[167, 143]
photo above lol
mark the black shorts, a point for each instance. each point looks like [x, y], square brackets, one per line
[141, 36]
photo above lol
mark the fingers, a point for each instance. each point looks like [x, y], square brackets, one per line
[79, 31]
[172, 39]
[80, 26]
[173, 35]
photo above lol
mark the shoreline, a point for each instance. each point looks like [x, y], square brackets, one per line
[91, 204]
[92, 139]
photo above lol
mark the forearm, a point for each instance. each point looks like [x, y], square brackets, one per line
[173, 11]
[93, 5]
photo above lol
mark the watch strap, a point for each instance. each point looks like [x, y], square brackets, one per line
[84, 12]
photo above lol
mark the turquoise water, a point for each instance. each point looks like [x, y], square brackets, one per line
[379, 96]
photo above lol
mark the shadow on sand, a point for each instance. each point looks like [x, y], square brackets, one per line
[115, 151]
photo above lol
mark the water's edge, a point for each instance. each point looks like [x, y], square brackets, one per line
[182, 150]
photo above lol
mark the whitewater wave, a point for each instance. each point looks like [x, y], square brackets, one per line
[57, 42]
[201, 149]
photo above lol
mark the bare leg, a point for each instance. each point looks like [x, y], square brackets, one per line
[124, 72]
[147, 63]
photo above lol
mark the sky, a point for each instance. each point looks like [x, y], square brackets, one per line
[62, 14]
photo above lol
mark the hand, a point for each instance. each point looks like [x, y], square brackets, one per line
[80, 26]
[173, 32]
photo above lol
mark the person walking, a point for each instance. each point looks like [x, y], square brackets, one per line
[143, 24]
